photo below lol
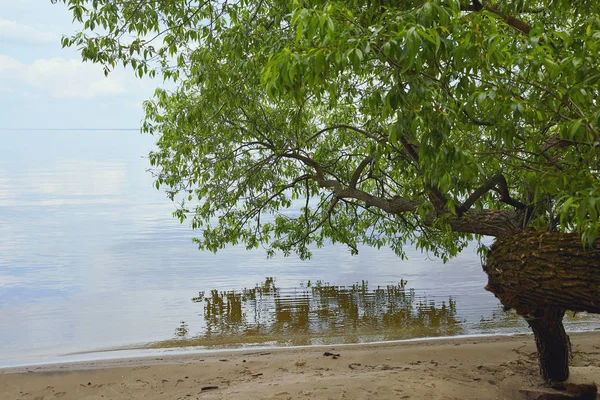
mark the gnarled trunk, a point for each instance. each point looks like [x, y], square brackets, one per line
[540, 275]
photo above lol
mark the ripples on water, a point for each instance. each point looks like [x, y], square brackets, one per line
[92, 259]
[320, 313]
[316, 313]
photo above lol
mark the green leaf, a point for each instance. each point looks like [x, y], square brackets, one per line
[418, 105]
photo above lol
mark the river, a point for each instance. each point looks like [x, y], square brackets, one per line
[91, 260]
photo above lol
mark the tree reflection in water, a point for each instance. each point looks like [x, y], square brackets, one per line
[316, 313]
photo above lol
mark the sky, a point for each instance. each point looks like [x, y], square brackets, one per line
[43, 86]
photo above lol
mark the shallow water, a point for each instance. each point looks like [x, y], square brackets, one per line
[90, 258]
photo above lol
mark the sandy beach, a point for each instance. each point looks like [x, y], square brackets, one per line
[462, 368]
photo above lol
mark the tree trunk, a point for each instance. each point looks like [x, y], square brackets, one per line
[540, 275]
[552, 343]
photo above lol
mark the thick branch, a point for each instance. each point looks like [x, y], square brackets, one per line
[476, 195]
[505, 195]
[498, 181]
[496, 223]
[512, 21]
[531, 270]
[516, 23]
[361, 167]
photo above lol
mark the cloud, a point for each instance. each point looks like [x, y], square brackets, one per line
[7, 64]
[14, 32]
[61, 78]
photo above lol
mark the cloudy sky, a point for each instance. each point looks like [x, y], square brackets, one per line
[45, 86]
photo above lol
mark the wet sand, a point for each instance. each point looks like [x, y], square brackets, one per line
[465, 368]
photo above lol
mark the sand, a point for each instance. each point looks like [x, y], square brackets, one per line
[462, 368]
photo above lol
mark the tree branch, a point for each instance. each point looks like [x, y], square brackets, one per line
[516, 23]
[477, 121]
[498, 181]
[505, 195]
[484, 222]
[436, 197]
[343, 126]
[356, 175]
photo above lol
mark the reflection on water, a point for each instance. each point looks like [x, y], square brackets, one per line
[317, 313]
[321, 313]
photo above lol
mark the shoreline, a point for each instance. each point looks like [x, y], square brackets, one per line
[130, 352]
[140, 353]
[490, 367]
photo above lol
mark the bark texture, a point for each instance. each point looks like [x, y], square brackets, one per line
[553, 344]
[531, 270]
[540, 275]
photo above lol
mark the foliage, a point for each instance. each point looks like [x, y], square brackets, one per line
[382, 121]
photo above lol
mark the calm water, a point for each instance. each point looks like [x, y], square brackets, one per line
[91, 259]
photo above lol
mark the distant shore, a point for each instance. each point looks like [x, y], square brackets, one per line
[494, 367]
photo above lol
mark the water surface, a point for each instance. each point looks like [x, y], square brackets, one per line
[90, 258]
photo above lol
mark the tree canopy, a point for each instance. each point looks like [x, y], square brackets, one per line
[382, 121]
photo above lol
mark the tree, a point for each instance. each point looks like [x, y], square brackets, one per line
[384, 121]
